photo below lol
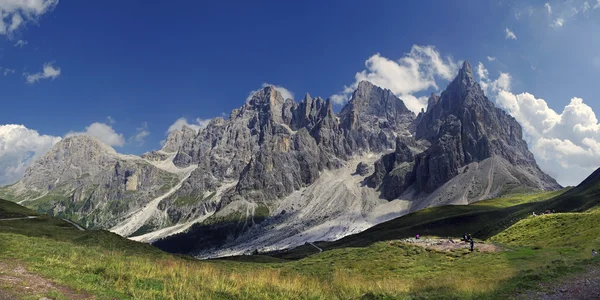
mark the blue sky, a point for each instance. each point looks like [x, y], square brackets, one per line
[136, 66]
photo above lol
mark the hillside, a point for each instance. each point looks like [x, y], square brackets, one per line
[81, 264]
[483, 219]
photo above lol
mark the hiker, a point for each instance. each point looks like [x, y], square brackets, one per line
[469, 237]
[465, 238]
[594, 253]
[534, 214]
[417, 236]
[472, 245]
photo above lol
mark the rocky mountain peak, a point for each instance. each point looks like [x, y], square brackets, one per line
[464, 127]
[371, 105]
[307, 98]
[82, 143]
[177, 138]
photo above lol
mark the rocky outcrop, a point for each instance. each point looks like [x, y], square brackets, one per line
[394, 172]
[85, 180]
[373, 117]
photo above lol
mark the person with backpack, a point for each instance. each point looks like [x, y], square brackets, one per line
[594, 253]
[472, 245]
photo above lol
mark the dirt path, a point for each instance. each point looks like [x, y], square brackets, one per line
[581, 286]
[23, 218]
[16, 282]
[439, 244]
[74, 224]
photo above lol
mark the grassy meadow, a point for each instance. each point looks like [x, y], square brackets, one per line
[102, 265]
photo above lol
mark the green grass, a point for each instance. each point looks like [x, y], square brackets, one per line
[12, 210]
[578, 231]
[370, 265]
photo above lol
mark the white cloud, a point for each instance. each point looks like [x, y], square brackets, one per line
[597, 5]
[559, 22]
[15, 14]
[566, 145]
[7, 71]
[142, 133]
[510, 35]
[20, 43]
[104, 132]
[491, 58]
[110, 120]
[548, 7]
[179, 123]
[586, 7]
[492, 87]
[285, 93]
[48, 72]
[482, 72]
[19, 148]
[417, 71]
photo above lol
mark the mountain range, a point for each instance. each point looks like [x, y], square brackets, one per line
[277, 173]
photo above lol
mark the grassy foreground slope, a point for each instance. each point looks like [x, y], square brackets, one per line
[374, 265]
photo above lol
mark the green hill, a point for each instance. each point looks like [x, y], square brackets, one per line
[376, 264]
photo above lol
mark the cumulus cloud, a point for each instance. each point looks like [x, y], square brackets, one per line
[15, 14]
[179, 123]
[416, 72]
[142, 133]
[566, 145]
[285, 93]
[510, 35]
[19, 148]
[491, 58]
[48, 72]
[104, 132]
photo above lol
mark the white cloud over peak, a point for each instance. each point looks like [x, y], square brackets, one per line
[491, 58]
[48, 72]
[509, 34]
[179, 123]
[482, 72]
[566, 145]
[142, 133]
[285, 93]
[416, 72]
[19, 148]
[15, 14]
[104, 132]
